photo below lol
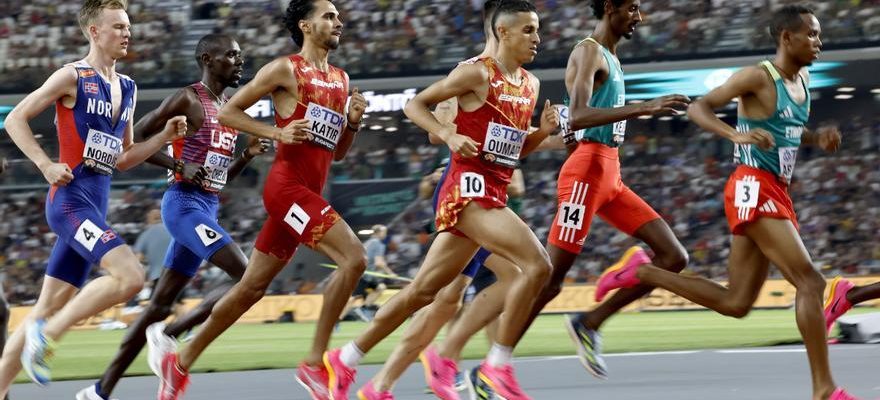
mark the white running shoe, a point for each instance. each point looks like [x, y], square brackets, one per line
[158, 345]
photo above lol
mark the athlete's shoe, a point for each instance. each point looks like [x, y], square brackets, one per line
[340, 376]
[173, 381]
[439, 374]
[477, 389]
[622, 274]
[841, 394]
[89, 393]
[38, 349]
[315, 380]
[460, 384]
[836, 303]
[159, 345]
[368, 392]
[588, 343]
[502, 381]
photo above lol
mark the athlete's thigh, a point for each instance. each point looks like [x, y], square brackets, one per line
[121, 261]
[628, 212]
[180, 259]
[780, 242]
[501, 232]
[747, 269]
[445, 260]
[296, 215]
[584, 185]
[67, 265]
[191, 219]
[341, 244]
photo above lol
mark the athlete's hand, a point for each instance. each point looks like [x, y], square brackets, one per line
[459, 144]
[666, 105]
[549, 118]
[175, 128]
[193, 173]
[828, 138]
[295, 132]
[257, 146]
[757, 136]
[57, 174]
[356, 107]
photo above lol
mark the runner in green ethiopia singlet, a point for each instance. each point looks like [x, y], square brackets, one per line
[611, 94]
[786, 125]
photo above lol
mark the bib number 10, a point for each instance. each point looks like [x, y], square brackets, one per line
[472, 185]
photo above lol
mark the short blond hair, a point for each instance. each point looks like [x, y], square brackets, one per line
[91, 10]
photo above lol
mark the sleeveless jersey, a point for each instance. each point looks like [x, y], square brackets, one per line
[786, 125]
[89, 141]
[212, 146]
[322, 98]
[611, 94]
[501, 124]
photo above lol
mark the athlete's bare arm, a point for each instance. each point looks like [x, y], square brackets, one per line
[746, 85]
[826, 137]
[60, 86]
[445, 112]
[470, 84]
[356, 107]
[184, 102]
[275, 78]
[585, 64]
[134, 153]
[549, 123]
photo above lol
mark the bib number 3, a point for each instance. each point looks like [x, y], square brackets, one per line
[746, 195]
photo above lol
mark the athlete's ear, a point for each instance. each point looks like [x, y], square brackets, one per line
[205, 58]
[303, 24]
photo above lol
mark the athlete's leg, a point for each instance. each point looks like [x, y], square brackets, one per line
[860, 294]
[261, 269]
[780, 242]
[669, 254]
[4, 321]
[231, 260]
[422, 329]
[483, 311]
[344, 248]
[562, 261]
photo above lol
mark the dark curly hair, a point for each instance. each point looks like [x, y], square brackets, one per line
[298, 10]
[787, 18]
[599, 6]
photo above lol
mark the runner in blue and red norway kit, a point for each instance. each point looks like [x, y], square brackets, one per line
[94, 108]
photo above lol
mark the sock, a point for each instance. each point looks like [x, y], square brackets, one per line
[499, 355]
[99, 392]
[351, 355]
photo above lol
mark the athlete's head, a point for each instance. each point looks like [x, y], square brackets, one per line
[516, 26]
[796, 30]
[622, 16]
[315, 20]
[105, 23]
[489, 8]
[221, 56]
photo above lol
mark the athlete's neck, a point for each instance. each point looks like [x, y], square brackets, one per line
[786, 65]
[103, 64]
[214, 85]
[604, 36]
[316, 55]
[509, 66]
[490, 49]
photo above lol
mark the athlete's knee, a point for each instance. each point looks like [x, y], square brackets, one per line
[251, 293]
[736, 309]
[551, 290]
[540, 268]
[354, 264]
[131, 283]
[673, 259]
[420, 296]
[810, 281]
[158, 311]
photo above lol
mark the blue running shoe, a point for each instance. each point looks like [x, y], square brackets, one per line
[588, 343]
[38, 349]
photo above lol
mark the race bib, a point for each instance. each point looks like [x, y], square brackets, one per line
[88, 234]
[571, 215]
[207, 235]
[101, 151]
[746, 195]
[565, 125]
[618, 131]
[787, 159]
[325, 126]
[503, 145]
[472, 185]
[297, 218]
[217, 166]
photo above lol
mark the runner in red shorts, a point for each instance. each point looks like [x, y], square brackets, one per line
[309, 96]
[774, 108]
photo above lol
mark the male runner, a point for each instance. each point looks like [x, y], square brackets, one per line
[496, 99]
[203, 163]
[309, 96]
[589, 182]
[94, 108]
[843, 296]
[774, 106]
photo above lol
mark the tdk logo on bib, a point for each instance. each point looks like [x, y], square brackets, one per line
[217, 166]
[101, 151]
[326, 125]
[503, 145]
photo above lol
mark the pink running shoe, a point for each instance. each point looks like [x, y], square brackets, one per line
[174, 380]
[340, 376]
[836, 303]
[841, 394]
[502, 381]
[368, 392]
[439, 374]
[315, 380]
[622, 274]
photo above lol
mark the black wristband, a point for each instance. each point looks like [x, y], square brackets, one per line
[178, 166]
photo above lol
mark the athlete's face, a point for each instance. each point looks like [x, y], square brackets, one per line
[519, 33]
[324, 26]
[225, 63]
[625, 18]
[804, 44]
[111, 32]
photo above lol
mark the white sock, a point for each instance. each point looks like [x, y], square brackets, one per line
[499, 355]
[351, 355]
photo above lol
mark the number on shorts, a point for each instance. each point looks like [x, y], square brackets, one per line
[747, 191]
[472, 185]
[207, 235]
[87, 234]
[571, 215]
[297, 218]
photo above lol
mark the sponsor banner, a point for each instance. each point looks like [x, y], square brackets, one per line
[370, 202]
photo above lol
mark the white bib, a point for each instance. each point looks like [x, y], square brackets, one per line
[503, 144]
[325, 125]
[101, 152]
[217, 166]
[787, 159]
